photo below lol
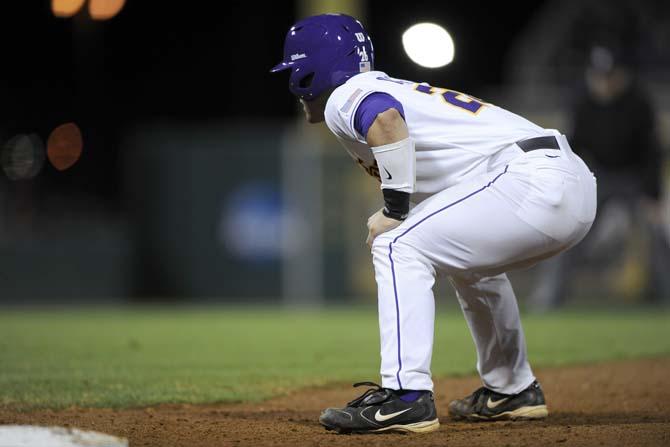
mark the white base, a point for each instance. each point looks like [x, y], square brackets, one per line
[31, 435]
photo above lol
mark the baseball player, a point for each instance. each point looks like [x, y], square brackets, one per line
[470, 192]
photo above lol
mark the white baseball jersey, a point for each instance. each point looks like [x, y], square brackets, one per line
[455, 135]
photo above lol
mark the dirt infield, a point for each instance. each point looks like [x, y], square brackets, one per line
[623, 403]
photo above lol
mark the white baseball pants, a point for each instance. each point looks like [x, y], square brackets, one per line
[539, 204]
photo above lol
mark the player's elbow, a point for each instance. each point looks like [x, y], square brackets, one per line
[389, 119]
[388, 127]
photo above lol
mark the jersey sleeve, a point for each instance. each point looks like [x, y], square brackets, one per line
[352, 108]
[370, 107]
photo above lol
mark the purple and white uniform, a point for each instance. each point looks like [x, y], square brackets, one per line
[483, 206]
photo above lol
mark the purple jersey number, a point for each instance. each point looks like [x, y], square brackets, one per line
[454, 98]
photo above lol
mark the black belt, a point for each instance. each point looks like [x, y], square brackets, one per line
[531, 144]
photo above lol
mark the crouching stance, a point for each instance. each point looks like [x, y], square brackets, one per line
[471, 191]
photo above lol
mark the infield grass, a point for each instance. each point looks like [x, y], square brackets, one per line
[122, 358]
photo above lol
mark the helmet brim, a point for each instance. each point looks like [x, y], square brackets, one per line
[281, 66]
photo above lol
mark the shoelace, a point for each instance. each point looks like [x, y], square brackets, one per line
[377, 389]
[477, 393]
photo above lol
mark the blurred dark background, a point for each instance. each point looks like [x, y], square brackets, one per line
[185, 188]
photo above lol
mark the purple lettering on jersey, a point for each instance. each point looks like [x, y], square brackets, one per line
[470, 104]
[395, 81]
[423, 88]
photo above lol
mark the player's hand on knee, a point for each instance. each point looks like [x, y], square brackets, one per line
[378, 224]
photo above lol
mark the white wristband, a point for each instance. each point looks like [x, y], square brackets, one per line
[397, 165]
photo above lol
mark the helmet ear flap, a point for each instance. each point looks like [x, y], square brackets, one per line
[306, 81]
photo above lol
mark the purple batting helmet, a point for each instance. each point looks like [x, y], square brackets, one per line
[324, 51]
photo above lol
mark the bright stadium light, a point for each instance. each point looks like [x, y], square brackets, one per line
[66, 8]
[428, 45]
[105, 9]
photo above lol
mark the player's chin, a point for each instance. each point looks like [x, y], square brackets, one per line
[310, 116]
[314, 118]
[310, 119]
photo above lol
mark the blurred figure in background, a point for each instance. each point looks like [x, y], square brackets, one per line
[613, 129]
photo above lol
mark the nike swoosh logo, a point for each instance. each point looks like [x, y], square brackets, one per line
[379, 417]
[389, 174]
[491, 405]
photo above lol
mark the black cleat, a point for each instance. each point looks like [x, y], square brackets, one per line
[487, 405]
[382, 409]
